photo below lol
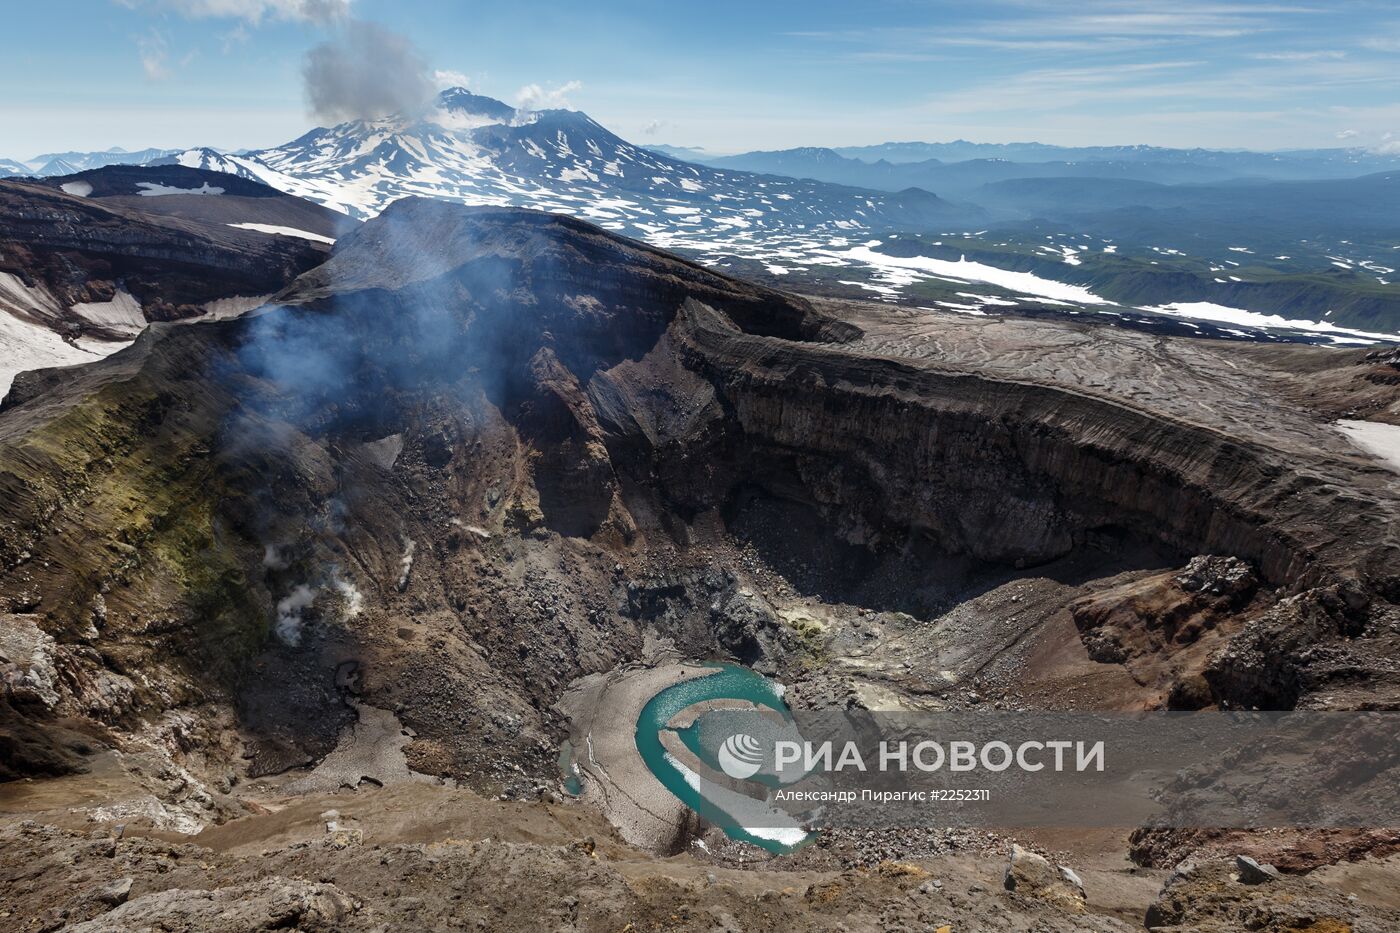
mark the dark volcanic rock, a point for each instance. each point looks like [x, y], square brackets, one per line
[1227, 577]
[129, 181]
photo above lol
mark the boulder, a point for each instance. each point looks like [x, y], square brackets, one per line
[1217, 576]
[114, 893]
[1036, 876]
[1248, 871]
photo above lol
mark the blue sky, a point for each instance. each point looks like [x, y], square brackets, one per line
[732, 75]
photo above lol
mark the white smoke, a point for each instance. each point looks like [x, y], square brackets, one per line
[458, 121]
[534, 97]
[354, 600]
[477, 530]
[365, 71]
[273, 559]
[445, 78]
[255, 11]
[289, 613]
[406, 563]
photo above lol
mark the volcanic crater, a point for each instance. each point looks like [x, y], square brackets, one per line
[375, 532]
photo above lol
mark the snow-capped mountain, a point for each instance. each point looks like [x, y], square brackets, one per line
[478, 150]
[67, 163]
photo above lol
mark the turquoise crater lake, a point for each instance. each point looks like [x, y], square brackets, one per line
[714, 804]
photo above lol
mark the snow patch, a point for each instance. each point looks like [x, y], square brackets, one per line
[1208, 311]
[223, 309]
[26, 344]
[275, 230]
[151, 189]
[1023, 282]
[122, 315]
[1374, 437]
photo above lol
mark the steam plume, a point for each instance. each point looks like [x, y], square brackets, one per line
[365, 71]
[406, 564]
[534, 97]
[289, 610]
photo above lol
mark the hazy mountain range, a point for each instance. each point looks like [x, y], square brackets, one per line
[66, 163]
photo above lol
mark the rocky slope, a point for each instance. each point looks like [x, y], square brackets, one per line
[212, 200]
[372, 534]
[88, 260]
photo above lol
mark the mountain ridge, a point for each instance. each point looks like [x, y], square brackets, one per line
[467, 150]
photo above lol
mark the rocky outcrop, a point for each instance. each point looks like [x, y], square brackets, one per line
[1291, 851]
[1332, 643]
[81, 250]
[1033, 875]
[271, 904]
[574, 477]
[87, 260]
[507, 867]
[1165, 627]
[1234, 895]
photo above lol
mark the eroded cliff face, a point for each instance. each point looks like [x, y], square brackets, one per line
[1011, 471]
[88, 260]
[481, 453]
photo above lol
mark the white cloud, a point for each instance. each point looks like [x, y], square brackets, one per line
[1087, 25]
[253, 11]
[155, 56]
[238, 35]
[1382, 43]
[536, 97]
[654, 127]
[1313, 56]
[444, 78]
[1348, 134]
